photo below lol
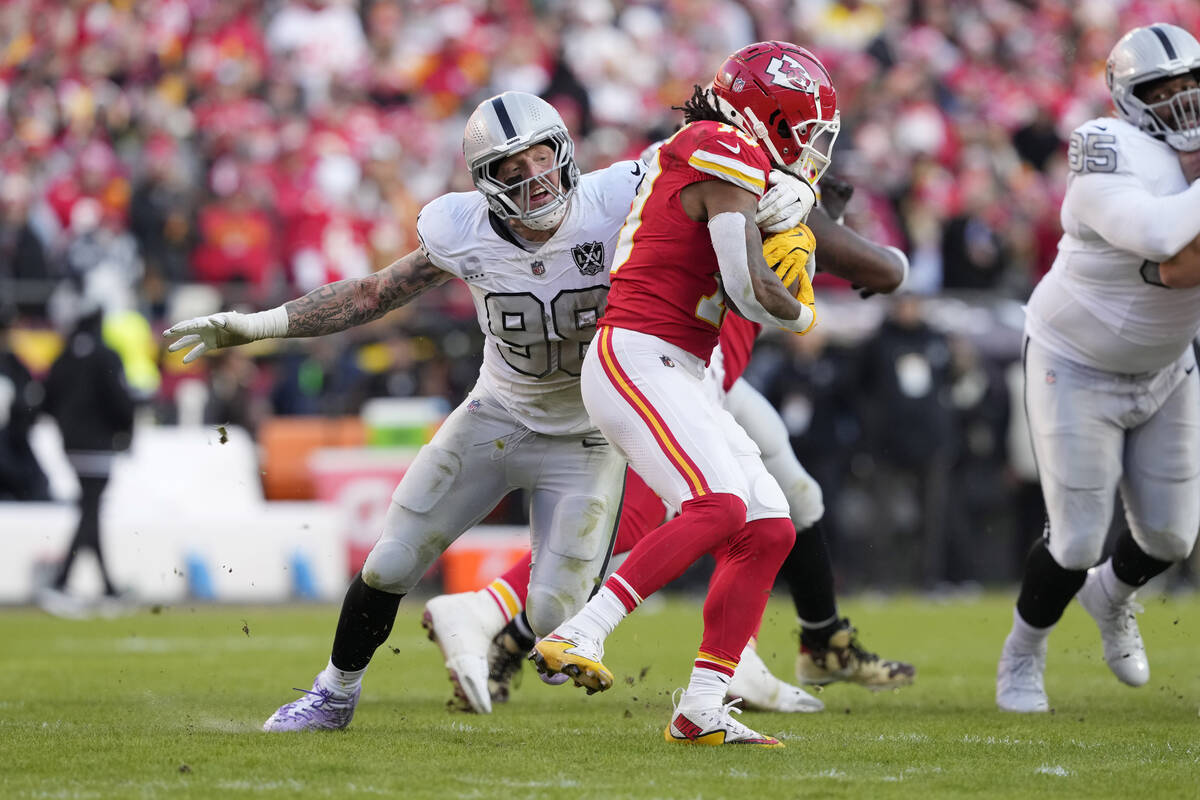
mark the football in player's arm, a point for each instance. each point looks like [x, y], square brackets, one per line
[729, 211]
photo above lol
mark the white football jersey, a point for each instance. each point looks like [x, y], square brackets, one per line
[537, 309]
[1102, 303]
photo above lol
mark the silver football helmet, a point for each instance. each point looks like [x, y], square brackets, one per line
[1147, 54]
[509, 123]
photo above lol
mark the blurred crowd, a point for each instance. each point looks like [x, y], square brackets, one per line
[166, 158]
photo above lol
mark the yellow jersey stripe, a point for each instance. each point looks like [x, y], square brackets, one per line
[729, 169]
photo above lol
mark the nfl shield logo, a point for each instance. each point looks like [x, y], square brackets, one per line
[589, 257]
[537, 268]
[1051, 378]
[667, 362]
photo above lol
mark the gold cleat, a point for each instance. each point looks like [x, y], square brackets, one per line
[555, 655]
[844, 659]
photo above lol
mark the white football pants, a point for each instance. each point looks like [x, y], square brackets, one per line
[647, 397]
[480, 454]
[1095, 431]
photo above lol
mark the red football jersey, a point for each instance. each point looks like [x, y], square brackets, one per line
[737, 342]
[664, 274]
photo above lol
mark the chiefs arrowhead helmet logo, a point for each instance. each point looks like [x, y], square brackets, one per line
[789, 73]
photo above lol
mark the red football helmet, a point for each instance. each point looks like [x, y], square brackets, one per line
[781, 94]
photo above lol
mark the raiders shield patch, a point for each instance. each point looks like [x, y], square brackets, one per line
[589, 257]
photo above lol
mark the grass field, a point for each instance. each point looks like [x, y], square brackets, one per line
[169, 704]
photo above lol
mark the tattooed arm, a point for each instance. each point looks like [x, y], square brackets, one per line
[338, 306]
[328, 309]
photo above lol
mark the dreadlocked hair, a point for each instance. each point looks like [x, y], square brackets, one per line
[698, 108]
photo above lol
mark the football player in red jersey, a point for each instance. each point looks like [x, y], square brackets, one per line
[490, 622]
[688, 243]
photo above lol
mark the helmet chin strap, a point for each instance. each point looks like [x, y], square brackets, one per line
[763, 135]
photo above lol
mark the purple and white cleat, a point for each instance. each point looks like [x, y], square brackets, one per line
[318, 710]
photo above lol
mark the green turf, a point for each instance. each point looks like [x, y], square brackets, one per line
[169, 704]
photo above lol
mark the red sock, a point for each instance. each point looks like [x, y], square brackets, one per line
[510, 589]
[668, 550]
[740, 586]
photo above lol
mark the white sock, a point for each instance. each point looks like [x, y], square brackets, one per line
[1025, 637]
[341, 681]
[599, 617]
[706, 689]
[1118, 591]
[491, 617]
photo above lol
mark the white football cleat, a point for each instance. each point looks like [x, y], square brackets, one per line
[1124, 650]
[759, 690]
[463, 625]
[1020, 680]
[711, 726]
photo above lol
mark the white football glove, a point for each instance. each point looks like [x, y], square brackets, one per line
[226, 329]
[786, 204]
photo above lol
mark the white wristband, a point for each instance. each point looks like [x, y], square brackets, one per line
[269, 324]
[903, 260]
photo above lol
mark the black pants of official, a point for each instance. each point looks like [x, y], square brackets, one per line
[87, 535]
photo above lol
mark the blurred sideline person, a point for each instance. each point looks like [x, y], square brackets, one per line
[534, 244]
[87, 395]
[1111, 385]
[21, 476]
[688, 250]
[485, 630]
[906, 368]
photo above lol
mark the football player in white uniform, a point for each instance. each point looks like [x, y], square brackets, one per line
[1111, 386]
[535, 245]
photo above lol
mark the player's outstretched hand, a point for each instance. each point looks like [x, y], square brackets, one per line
[226, 329]
[787, 253]
[786, 204]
